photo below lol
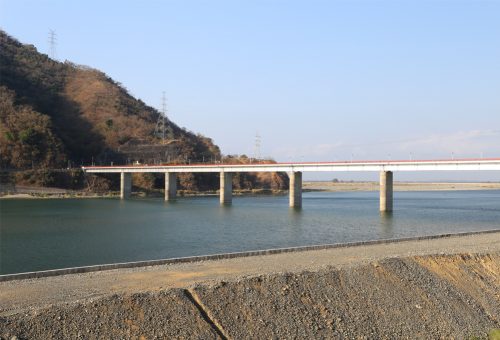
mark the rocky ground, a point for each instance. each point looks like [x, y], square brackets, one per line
[168, 314]
[394, 298]
[447, 295]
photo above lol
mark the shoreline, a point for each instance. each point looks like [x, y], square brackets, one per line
[233, 255]
[335, 292]
[328, 186]
[307, 186]
[247, 263]
[135, 194]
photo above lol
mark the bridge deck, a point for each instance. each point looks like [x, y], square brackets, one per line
[397, 165]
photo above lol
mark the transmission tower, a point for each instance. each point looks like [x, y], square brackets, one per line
[160, 123]
[52, 44]
[258, 141]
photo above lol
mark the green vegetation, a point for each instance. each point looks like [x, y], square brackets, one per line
[494, 334]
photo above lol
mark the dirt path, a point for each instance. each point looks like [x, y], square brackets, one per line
[36, 293]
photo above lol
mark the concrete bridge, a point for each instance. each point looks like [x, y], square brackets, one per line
[295, 170]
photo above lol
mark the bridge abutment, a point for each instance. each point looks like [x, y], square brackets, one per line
[295, 189]
[226, 187]
[386, 191]
[125, 185]
[170, 186]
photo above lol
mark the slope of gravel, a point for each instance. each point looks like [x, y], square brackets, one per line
[393, 298]
[419, 297]
[165, 315]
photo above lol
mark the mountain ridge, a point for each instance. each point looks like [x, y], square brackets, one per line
[90, 113]
[59, 114]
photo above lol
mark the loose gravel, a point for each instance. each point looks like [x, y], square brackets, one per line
[394, 298]
[164, 315]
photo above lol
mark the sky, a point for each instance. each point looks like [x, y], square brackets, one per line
[317, 80]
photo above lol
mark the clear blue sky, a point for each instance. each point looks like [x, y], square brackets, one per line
[318, 80]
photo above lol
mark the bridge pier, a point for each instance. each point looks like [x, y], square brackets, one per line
[386, 191]
[125, 184]
[226, 188]
[170, 186]
[295, 189]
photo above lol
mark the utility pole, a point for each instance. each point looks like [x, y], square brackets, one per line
[52, 44]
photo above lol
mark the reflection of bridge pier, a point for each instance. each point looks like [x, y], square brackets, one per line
[295, 170]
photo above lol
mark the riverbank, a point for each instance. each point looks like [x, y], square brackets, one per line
[24, 192]
[398, 186]
[442, 287]
[62, 193]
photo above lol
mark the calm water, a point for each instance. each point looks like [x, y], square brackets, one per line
[48, 234]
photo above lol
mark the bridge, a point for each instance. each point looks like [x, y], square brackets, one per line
[295, 170]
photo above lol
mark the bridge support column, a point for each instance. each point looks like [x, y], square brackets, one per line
[170, 186]
[125, 184]
[386, 191]
[295, 190]
[226, 187]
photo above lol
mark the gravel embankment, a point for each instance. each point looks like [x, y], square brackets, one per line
[396, 290]
[395, 298]
[164, 315]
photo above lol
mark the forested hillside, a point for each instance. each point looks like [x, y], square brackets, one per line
[77, 112]
[56, 115]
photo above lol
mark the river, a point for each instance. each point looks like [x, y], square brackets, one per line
[40, 234]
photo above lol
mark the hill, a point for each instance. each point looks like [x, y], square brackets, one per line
[77, 112]
[57, 115]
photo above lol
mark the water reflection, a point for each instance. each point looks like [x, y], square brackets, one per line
[295, 216]
[225, 208]
[386, 224]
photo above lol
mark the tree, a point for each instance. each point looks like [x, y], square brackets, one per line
[26, 137]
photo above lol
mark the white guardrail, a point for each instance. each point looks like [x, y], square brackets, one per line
[417, 165]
